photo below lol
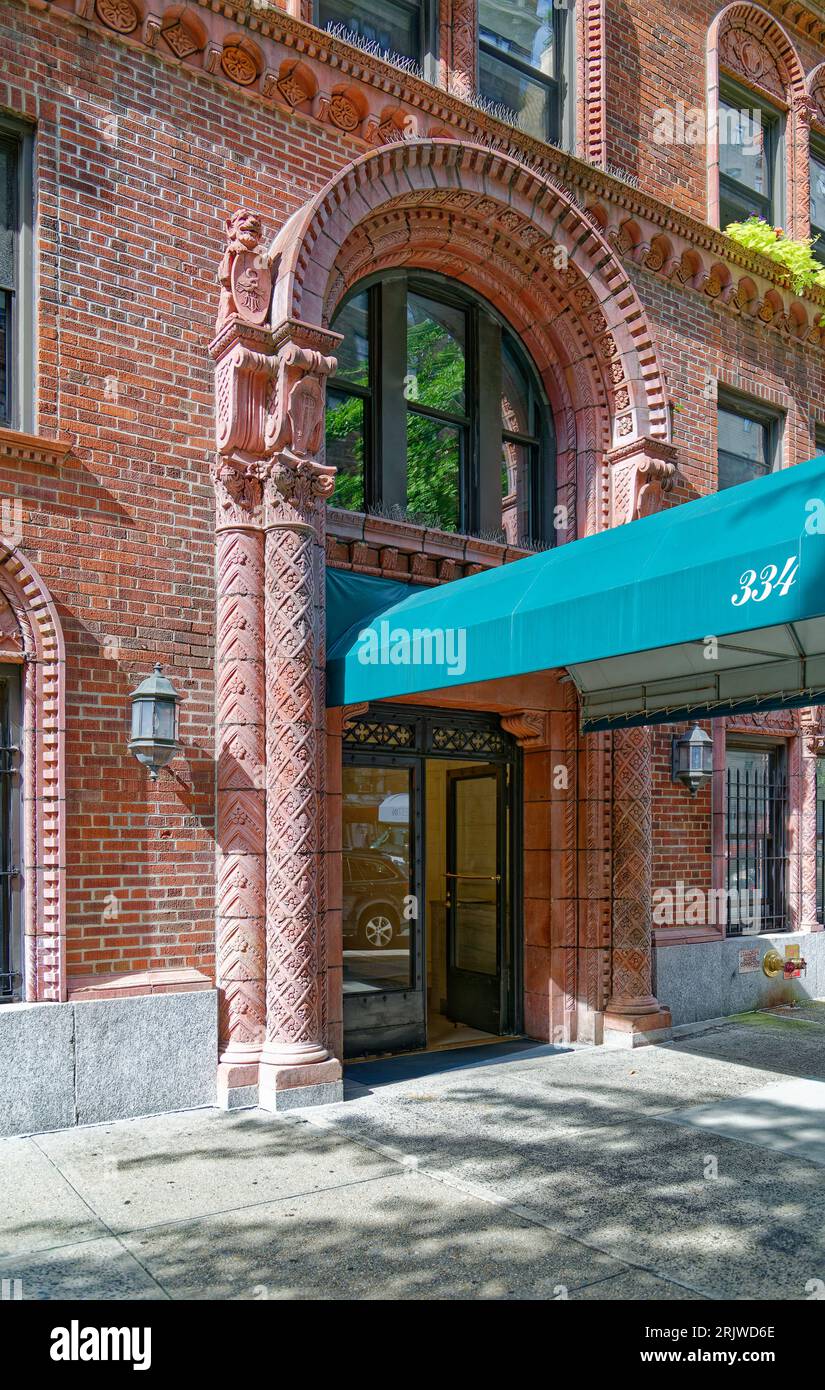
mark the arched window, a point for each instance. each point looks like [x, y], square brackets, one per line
[436, 413]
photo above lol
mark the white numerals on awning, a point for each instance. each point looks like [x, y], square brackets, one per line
[769, 579]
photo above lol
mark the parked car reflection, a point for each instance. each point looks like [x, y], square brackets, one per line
[375, 886]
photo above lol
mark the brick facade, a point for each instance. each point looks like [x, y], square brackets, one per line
[147, 135]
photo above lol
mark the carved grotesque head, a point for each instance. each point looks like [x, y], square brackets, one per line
[243, 231]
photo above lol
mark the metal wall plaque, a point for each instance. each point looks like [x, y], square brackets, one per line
[749, 960]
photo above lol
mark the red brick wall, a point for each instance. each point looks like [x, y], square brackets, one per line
[701, 346]
[129, 238]
[681, 823]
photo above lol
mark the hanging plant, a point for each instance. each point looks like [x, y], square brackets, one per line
[795, 254]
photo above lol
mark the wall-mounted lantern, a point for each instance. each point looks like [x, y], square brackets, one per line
[154, 722]
[693, 759]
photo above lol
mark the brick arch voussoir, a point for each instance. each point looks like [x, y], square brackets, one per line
[525, 208]
[43, 773]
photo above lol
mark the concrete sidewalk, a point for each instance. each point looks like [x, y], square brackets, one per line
[687, 1171]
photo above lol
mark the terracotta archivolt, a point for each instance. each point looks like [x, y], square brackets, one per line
[43, 775]
[518, 239]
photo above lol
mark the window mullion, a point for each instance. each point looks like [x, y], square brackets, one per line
[488, 450]
[390, 468]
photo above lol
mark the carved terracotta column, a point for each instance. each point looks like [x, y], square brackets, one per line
[271, 487]
[244, 367]
[640, 473]
[458, 46]
[297, 485]
[811, 749]
[240, 701]
[801, 114]
[632, 991]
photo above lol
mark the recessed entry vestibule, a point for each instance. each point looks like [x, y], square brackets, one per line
[431, 849]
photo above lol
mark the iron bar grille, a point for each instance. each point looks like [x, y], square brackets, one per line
[9, 979]
[821, 840]
[756, 820]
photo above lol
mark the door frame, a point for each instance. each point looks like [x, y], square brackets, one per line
[389, 735]
[498, 773]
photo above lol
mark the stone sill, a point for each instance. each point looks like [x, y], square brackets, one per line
[83, 988]
[685, 936]
[404, 551]
[695, 936]
[32, 448]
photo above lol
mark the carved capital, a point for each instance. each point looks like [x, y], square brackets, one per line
[295, 492]
[238, 495]
[641, 472]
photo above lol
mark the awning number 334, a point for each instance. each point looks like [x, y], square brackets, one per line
[757, 588]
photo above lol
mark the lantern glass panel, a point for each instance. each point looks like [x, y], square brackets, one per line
[142, 721]
[164, 719]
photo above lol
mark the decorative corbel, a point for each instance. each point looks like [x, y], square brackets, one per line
[640, 473]
[295, 409]
[529, 727]
[352, 713]
[152, 25]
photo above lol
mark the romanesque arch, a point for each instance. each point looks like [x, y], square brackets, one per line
[32, 636]
[488, 221]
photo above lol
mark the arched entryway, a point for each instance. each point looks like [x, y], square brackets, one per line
[524, 245]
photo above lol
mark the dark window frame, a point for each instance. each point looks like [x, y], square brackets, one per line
[427, 11]
[19, 297]
[770, 206]
[557, 85]
[770, 417]
[379, 405]
[820, 838]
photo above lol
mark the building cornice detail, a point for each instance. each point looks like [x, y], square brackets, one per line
[281, 59]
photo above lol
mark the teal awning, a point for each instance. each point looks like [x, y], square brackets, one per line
[713, 607]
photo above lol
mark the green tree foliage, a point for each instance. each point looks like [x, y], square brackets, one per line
[796, 255]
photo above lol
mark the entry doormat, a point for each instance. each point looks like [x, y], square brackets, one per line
[411, 1065]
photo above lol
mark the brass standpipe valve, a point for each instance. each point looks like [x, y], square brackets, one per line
[773, 965]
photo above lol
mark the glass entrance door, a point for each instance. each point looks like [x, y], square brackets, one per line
[383, 995]
[430, 843]
[475, 871]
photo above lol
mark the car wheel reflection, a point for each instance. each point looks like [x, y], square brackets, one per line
[378, 931]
